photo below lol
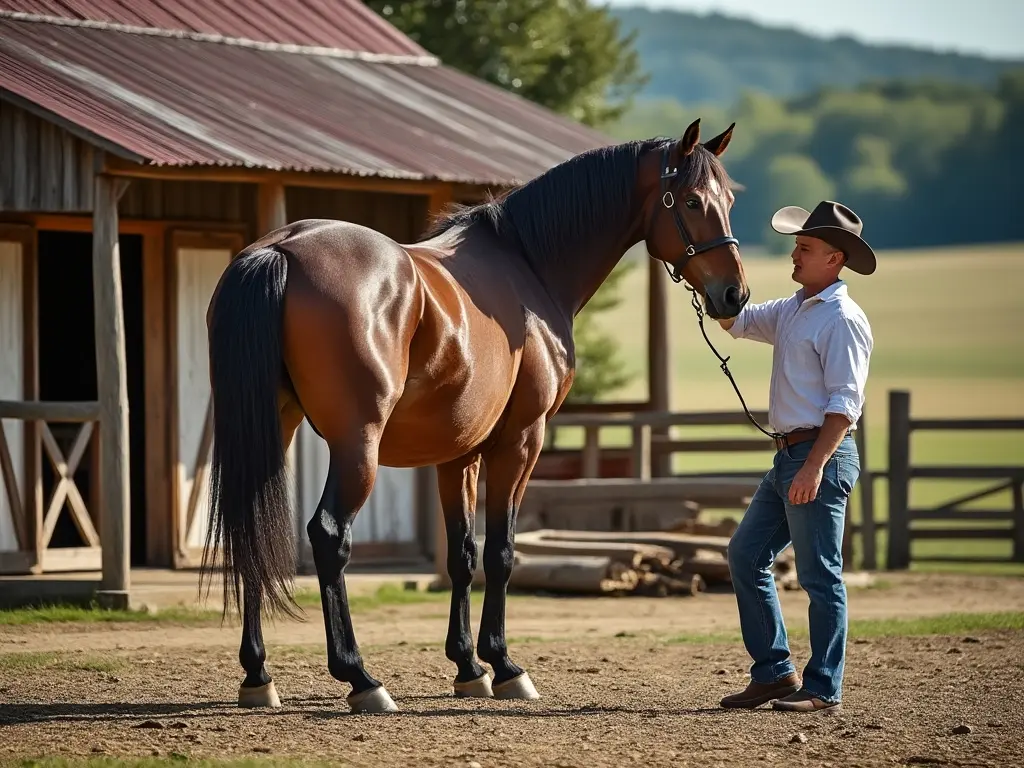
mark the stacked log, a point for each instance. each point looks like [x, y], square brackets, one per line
[624, 563]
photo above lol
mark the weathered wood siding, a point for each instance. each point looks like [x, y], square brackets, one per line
[399, 216]
[197, 201]
[12, 381]
[43, 168]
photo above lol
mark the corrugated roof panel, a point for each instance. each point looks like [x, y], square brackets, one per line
[182, 102]
[345, 24]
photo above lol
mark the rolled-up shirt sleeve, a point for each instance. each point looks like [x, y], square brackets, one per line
[758, 322]
[845, 352]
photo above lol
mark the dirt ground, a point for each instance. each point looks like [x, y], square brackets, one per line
[618, 687]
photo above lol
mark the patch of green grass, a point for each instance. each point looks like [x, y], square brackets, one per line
[385, 595]
[59, 660]
[61, 613]
[953, 624]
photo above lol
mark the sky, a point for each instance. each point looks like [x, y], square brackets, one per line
[987, 27]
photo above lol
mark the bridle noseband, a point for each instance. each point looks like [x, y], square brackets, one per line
[669, 201]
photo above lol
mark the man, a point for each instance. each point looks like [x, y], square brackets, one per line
[822, 344]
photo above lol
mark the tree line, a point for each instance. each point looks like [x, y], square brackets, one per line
[923, 162]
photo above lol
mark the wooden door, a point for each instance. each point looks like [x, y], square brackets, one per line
[18, 551]
[198, 260]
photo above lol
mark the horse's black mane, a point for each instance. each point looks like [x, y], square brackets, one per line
[578, 202]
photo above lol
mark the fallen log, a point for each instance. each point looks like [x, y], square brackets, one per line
[682, 544]
[567, 574]
[633, 555]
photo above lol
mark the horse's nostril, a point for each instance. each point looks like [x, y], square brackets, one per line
[732, 296]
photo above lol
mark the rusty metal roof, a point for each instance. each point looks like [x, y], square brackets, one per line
[182, 102]
[344, 24]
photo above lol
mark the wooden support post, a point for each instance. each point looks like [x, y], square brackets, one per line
[1018, 521]
[112, 388]
[591, 451]
[868, 538]
[899, 480]
[658, 363]
[642, 452]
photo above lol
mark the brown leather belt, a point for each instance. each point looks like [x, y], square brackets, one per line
[796, 436]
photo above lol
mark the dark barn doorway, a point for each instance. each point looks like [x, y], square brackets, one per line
[67, 366]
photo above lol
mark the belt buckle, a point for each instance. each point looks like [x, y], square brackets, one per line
[780, 443]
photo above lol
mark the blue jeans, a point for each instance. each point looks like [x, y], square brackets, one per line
[815, 530]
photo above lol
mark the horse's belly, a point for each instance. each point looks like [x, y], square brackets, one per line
[434, 424]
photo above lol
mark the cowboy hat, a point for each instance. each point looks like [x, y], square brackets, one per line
[834, 223]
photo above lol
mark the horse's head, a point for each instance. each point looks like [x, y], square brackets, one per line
[686, 217]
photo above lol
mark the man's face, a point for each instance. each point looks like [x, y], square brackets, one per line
[815, 262]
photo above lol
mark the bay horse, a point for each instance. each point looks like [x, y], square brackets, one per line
[451, 351]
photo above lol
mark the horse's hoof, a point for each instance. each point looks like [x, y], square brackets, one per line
[475, 689]
[263, 696]
[519, 687]
[372, 702]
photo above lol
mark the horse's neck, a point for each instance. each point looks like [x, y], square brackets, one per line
[574, 281]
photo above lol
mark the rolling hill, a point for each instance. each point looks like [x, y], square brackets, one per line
[712, 58]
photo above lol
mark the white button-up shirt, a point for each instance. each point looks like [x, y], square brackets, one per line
[821, 350]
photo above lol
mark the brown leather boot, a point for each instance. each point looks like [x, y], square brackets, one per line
[757, 694]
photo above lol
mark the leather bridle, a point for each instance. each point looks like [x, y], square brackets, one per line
[668, 200]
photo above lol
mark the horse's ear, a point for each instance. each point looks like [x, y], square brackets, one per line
[690, 139]
[718, 145]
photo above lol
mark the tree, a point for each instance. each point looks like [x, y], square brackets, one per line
[598, 366]
[568, 56]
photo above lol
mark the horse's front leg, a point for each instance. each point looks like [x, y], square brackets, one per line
[509, 465]
[457, 483]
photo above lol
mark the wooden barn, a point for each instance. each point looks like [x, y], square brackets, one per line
[142, 144]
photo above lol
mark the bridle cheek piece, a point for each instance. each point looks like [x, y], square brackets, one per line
[669, 201]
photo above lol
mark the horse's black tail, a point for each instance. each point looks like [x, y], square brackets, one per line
[250, 514]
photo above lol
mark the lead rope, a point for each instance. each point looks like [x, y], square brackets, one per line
[695, 303]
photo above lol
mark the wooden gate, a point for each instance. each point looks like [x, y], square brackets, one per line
[198, 260]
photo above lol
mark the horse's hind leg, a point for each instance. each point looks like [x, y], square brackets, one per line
[350, 479]
[258, 690]
[457, 485]
[509, 465]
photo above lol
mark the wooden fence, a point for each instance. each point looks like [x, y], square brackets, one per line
[902, 471]
[652, 446]
[34, 520]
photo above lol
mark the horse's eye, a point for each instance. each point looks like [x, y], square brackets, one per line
[692, 203]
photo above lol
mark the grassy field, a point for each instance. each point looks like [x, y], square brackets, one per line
[948, 327]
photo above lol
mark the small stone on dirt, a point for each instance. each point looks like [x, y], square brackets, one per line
[474, 764]
[359, 737]
[262, 750]
[722, 672]
[970, 639]
[962, 729]
[994, 724]
[954, 649]
[150, 724]
[874, 726]
[798, 738]
[177, 724]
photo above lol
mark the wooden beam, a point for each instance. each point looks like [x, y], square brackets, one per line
[121, 168]
[272, 212]
[658, 364]
[112, 387]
